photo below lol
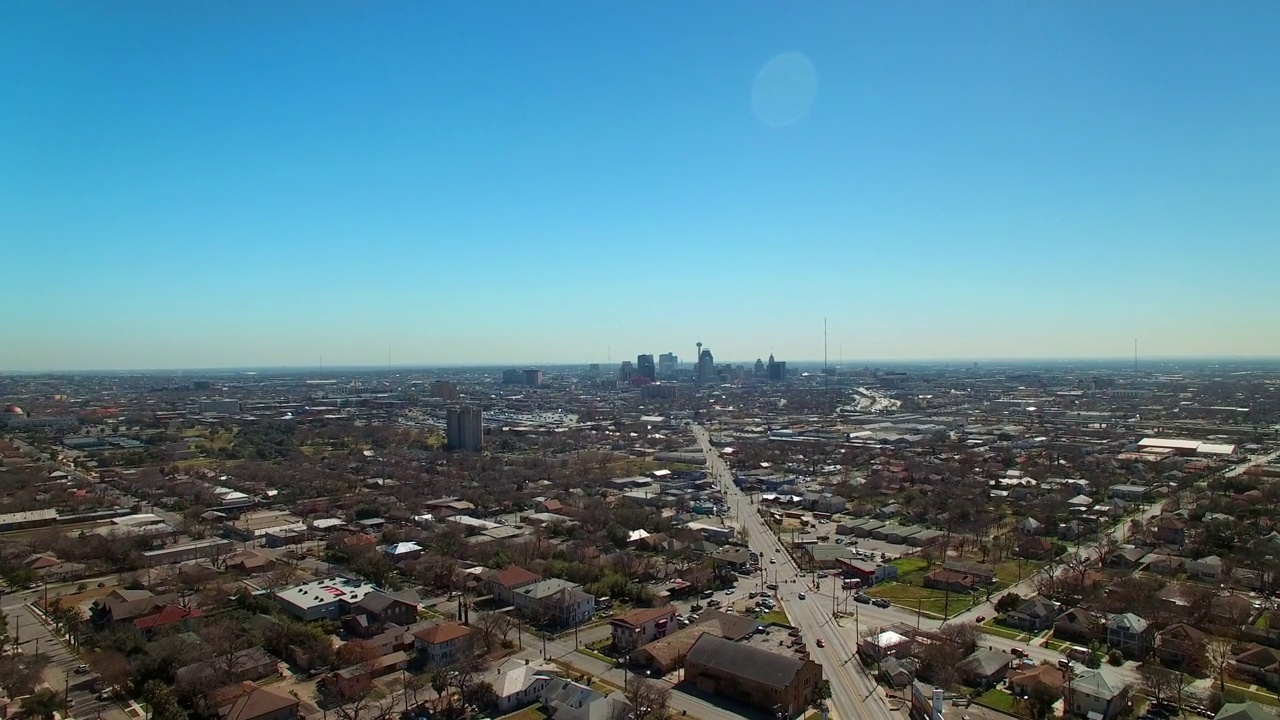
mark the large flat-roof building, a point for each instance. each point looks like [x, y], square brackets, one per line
[780, 684]
[330, 597]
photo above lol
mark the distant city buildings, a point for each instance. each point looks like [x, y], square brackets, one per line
[512, 377]
[464, 428]
[777, 370]
[444, 390]
[760, 369]
[645, 367]
[626, 371]
[219, 406]
[667, 365]
[533, 378]
[706, 364]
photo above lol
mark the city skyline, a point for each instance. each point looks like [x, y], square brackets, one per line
[261, 185]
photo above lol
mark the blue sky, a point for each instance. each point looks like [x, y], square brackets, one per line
[192, 184]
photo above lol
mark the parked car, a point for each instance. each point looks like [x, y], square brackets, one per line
[82, 669]
[863, 598]
[881, 603]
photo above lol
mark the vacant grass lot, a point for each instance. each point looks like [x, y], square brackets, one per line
[997, 699]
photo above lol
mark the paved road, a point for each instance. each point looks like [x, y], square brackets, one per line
[60, 674]
[854, 695]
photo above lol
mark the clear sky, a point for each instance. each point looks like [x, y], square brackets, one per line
[201, 184]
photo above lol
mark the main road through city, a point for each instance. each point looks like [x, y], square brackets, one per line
[854, 696]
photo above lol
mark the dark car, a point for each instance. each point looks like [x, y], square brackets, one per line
[862, 598]
[881, 603]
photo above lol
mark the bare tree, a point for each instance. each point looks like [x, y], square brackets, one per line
[1217, 653]
[1158, 682]
[648, 699]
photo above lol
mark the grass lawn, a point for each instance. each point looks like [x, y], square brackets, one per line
[991, 628]
[1058, 645]
[909, 564]
[776, 615]
[1244, 693]
[530, 713]
[997, 699]
[598, 656]
[915, 597]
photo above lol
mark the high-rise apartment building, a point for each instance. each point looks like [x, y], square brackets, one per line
[667, 364]
[444, 390]
[777, 370]
[706, 364]
[533, 378]
[512, 377]
[626, 371]
[645, 367]
[464, 428]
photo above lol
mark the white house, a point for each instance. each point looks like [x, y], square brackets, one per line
[1210, 569]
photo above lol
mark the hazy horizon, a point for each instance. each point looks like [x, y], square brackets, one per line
[266, 184]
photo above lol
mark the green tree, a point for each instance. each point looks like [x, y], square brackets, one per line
[164, 701]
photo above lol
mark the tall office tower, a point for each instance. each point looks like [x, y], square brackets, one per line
[706, 365]
[593, 370]
[512, 377]
[444, 390]
[777, 370]
[464, 428]
[759, 372]
[645, 367]
[667, 364]
[533, 378]
[626, 371]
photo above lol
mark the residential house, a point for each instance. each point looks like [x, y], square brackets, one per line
[168, 616]
[1207, 569]
[1261, 665]
[1034, 547]
[1021, 680]
[1033, 615]
[984, 668]
[505, 582]
[443, 643]
[641, 627]
[122, 605]
[248, 701]
[1248, 710]
[1180, 644]
[1128, 633]
[1129, 558]
[1030, 526]
[897, 672]
[1076, 625]
[555, 602]
[379, 609]
[1231, 611]
[1091, 692]
[981, 574]
[403, 552]
[356, 679]
[330, 597]
[944, 579]
[251, 664]
[1171, 530]
[782, 684]
[520, 683]
[564, 699]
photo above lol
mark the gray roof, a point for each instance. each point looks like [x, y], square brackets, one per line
[1244, 711]
[1094, 684]
[986, 662]
[1128, 621]
[744, 661]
